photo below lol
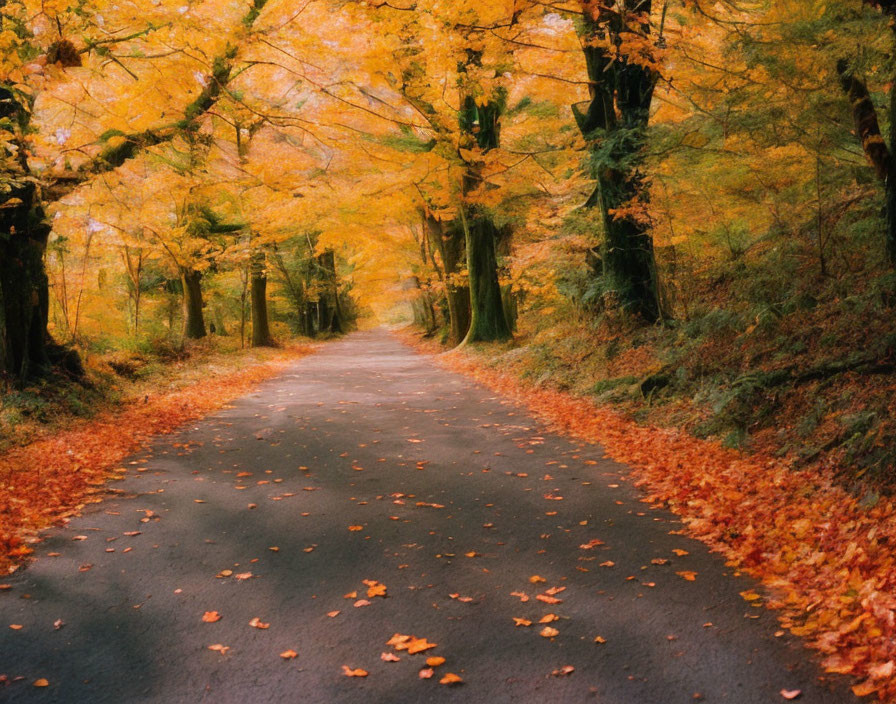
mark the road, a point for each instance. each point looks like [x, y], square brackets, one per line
[367, 462]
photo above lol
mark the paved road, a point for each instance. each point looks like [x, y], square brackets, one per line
[367, 462]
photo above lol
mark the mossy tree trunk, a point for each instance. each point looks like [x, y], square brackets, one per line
[481, 130]
[194, 320]
[24, 232]
[448, 240]
[261, 329]
[615, 126]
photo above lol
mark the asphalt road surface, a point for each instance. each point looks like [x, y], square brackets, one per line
[368, 462]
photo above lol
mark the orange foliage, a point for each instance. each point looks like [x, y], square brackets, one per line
[826, 558]
[52, 479]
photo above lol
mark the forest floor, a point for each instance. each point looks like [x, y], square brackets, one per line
[823, 554]
[59, 457]
[370, 527]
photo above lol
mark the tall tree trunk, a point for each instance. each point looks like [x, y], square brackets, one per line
[617, 115]
[194, 320]
[24, 231]
[334, 321]
[24, 287]
[261, 330]
[481, 128]
[449, 241]
[488, 322]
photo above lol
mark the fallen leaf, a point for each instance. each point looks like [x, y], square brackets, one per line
[418, 645]
[361, 602]
[211, 617]
[600, 640]
[451, 679]
[243, 576]
[349, 672]
[289, 654]
[521, 622]
[58, 623]
[523, 597]
[258, 623]
[563, 671]
[547, 599]
[791, 693]
[882, 672]
[375, 589]
[687, 575]
[333, 614]
[389, 657]
[426, 673]
[355, 528]
[549, 618]
[750, 595]
[435, 661]
[217, 647]
[680, 552]
[16, 626]
[41, 683]
[548, 632]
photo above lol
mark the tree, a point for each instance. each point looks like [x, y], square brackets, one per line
[622, 73]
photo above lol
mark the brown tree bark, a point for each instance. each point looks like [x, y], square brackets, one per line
[194, 320]
[261, 329]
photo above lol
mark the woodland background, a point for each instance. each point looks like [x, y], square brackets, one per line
[685, 209]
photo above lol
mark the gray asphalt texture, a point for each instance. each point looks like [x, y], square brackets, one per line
[382, 430]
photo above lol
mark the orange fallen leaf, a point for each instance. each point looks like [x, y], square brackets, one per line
[451, 679]
[791, 693]
[548, 632]
[750, 595]
[521, 595]
[41, 683]
[419, 645]
[243, 576]
[435, 661]
[547, 599]
[680, 552]
[687, 575]
[522, 622]
[389, 657]
[426, 673]
[224, 573]
[563, 671]
[289, 654]
[258, 623]
[398, 639]
[350, 595]
[600, 640]
[549, 618]
[355, 528]
[375, 589]
[349, 672]
[333, 614]
[211, 617]
[16, 626]
[218, 648]
[865, 688]
[361, 602]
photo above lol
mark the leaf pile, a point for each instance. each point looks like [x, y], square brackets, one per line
[51, 479]
[826, 557]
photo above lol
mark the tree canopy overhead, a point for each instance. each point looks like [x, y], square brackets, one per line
[471, 161]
